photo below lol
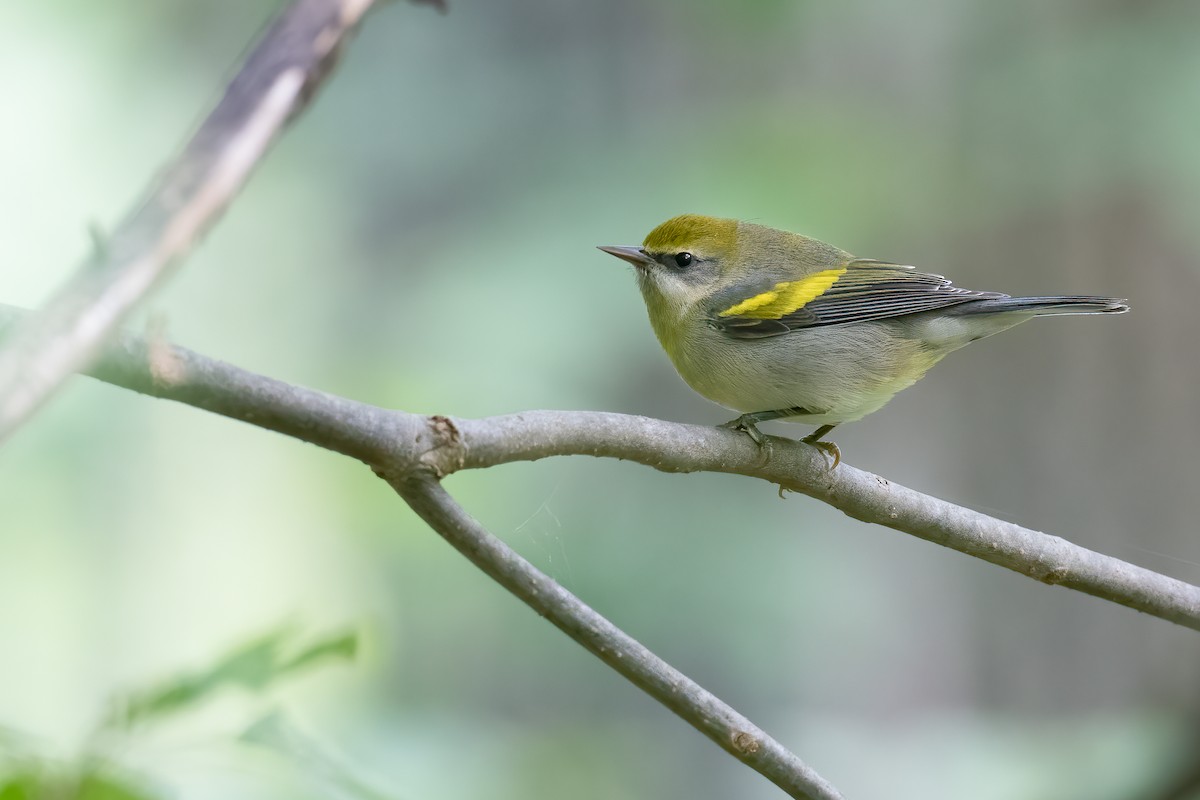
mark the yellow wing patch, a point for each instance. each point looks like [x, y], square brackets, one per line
[786, 297]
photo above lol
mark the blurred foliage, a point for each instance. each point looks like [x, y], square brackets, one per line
[38, 785]
[253, 668]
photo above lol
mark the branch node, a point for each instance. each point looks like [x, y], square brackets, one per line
[744, 742]
[446, 453]
[1055, 576]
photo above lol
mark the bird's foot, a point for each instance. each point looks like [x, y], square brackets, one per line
[828, 448]
[747, 424]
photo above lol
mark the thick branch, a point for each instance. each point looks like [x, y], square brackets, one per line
[364, 432]
[393, 440]
[278, 79]
[699, 708]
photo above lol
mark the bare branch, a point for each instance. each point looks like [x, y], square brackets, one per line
[397, 443]
[403, 448]
[734, 733]
[862, 495]
[413, 452]
[277, 81]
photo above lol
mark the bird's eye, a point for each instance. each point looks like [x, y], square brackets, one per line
[683, 259]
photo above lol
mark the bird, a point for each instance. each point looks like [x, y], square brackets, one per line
[779, 326]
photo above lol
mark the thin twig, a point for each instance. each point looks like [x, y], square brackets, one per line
[278, 79]
[699, 708]
[384, 438]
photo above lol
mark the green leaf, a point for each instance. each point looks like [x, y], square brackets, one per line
[101, 787]
[34, 784]
[254, 667]
[20, 787]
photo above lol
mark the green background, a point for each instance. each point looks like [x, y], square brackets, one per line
[424, 239]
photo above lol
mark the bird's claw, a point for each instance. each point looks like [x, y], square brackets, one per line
[829, 449]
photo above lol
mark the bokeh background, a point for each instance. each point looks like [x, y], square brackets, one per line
[423, 239]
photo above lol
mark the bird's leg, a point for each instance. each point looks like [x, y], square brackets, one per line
[749, 422]
[828, 448]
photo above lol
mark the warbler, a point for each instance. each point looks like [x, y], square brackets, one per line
[779, 326]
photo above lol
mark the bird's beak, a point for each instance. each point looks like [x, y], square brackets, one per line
[634, 255]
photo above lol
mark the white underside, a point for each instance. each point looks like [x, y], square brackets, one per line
[840, 372]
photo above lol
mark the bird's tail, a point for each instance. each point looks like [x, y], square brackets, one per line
[1046, 305]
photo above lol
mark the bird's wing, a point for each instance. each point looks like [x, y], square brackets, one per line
[858, 291]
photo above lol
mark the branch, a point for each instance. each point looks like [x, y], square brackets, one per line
[862, 495]
[376, 436]
[400, 443]
[413, 452]
[737, 735]
[277, 81]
